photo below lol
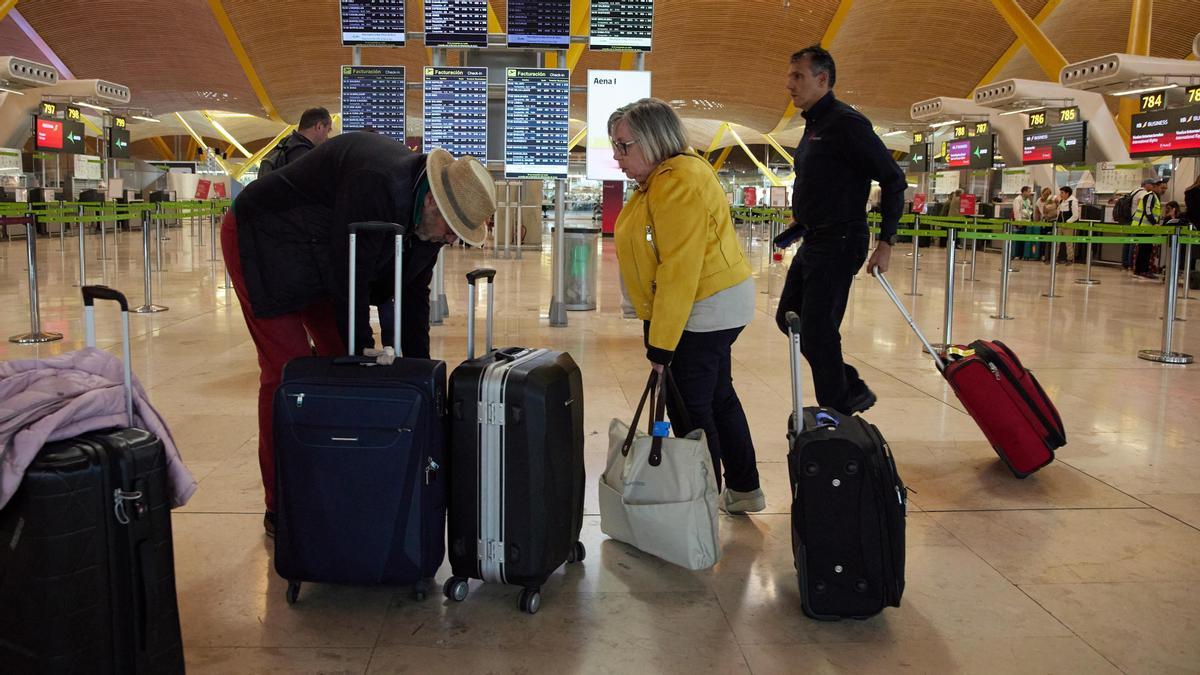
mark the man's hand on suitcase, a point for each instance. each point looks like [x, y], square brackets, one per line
[880, 258]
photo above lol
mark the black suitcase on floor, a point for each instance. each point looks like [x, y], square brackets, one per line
[360, 494]
[848, 510]
[87, 571]
[516, 464]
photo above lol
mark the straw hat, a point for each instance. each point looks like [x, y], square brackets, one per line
[464, 192]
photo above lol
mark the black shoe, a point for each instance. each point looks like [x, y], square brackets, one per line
[269, 523]
[861, 402]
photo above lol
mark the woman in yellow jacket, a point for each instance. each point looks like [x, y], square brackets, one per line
[689, 282]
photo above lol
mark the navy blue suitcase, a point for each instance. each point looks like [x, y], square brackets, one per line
[87, 569]
[358, 449]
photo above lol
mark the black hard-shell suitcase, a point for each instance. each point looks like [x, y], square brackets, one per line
[516, 464]
[848, 509]
[87, 570]
[360, 494]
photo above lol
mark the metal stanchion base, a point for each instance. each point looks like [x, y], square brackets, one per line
[914, 294]
[1088, 282]
[445, 306]
[35, 338]
[149, 309]
[1159, 356]
[1002, 317]
[1047, 295]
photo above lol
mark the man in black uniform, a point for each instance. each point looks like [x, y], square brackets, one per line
[836, 160]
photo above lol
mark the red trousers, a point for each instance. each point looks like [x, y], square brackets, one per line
[278, 340]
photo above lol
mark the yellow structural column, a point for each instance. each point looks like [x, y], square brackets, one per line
[235, 44]
[1138, 43]
[161, 145]
[1016, 45]
[722, 157]
[581, 15]
[5, 7]
[1043, 51]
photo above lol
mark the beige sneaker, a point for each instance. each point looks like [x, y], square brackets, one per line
[734, 502]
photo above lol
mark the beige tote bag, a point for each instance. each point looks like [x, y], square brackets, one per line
[659, 493]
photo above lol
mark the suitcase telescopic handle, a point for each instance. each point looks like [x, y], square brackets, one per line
[90, 295]
[473, 278]
[887, 287]
[398, 277]
[793, 322]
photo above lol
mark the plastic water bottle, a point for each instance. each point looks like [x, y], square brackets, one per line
[776, 275]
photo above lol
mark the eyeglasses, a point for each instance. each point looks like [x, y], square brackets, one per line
[621, 147]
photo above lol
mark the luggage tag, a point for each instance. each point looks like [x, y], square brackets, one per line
[824, 419]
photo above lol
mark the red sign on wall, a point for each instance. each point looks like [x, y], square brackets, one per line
[219, 190]
[202, 188]
[919, 202]
[966, 205]
[749, 196]
[49, 135]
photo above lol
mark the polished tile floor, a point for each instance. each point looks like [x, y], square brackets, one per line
[1092, 565]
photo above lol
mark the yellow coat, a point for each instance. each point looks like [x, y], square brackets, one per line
[676, 245]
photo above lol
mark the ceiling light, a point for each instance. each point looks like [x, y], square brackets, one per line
[944, 124]
[145, 119]
[12, 91]
[230, 114]
[92, 106]
[892, 133]
[1023, 110]
[1143, 90]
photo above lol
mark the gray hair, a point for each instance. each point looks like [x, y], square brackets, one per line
[655, 126]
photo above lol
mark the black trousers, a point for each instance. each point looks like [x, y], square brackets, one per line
[701, 368]
[817, 289]
[1141, 261]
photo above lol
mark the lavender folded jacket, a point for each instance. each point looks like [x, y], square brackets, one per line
[45, 400]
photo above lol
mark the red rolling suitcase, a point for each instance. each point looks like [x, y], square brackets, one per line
[1003, 397]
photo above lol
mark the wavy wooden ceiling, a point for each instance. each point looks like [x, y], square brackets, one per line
[717, 60]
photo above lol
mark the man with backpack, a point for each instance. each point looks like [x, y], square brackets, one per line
[313, 130]
[1147, 210]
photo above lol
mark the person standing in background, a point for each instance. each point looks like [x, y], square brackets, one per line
[1068, 212]
[1147, 210]
[1047, 212]
[1022, 207]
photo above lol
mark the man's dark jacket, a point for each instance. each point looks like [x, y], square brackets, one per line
[293, 235]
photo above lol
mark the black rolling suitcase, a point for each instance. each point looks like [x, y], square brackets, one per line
[516, 464]
[87, 569]
[848, 509]
[360, 493]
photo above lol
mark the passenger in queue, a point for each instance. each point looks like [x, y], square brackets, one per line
[835, 161]
[314, 129]
[1068, 212]
[1047, 212]
[1147, 210]
[1022, 206]
[286, 246]
[689, 282]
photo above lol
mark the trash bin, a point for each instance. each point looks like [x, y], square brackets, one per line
[580, 281]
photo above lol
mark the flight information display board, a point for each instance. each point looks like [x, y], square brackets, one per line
[544, 24]
[118, 143]
[622, 25]
[455, 23]
[373, 96]
[373, 22]
[983, 150]
[64, 136]
[918, 158]
[1166, 132]
[456, 110]
[958, 154]
[537, 106]
[1061, 144]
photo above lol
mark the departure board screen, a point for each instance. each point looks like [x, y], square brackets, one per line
[545, 24]
[456, 110]
[958, 154]
[373, 22]
[1061, 144]
[537, 106]
[918, 158]
[455, 23]
[1166, 132]
[622, 25]
[373, 97]
[48, 135]
[983, 151]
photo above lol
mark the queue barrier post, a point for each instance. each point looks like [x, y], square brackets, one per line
[1088, 280]
[1005, 252]
[916, 254]
[948, 309]
[1187, 270]
[1053, 264]
[1167, 353]
[35, 335]
[82, 259]
[147, 287]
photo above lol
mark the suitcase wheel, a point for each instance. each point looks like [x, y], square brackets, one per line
[455, 589]
[293, 592]
[420, 590]
[577, 554]
[530, 601]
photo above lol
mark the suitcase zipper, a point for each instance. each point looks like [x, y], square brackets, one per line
[431, 467]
